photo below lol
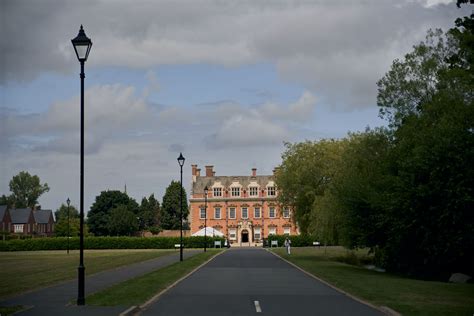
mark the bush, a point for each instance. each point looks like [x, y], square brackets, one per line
[60, 243]
[296, 240]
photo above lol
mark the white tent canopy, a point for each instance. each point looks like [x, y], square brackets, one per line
[208, 231]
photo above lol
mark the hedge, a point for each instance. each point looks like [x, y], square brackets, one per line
[296, 240]
[60, 243]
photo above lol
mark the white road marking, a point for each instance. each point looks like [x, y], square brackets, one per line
[257, 306]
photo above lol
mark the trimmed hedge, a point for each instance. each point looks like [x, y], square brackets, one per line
[60, 243]
[296, 240]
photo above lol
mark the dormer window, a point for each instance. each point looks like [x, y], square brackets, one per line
[271, 191]
[235, 191]
[253, 191]
[217, 192]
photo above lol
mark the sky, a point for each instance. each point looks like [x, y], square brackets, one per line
[224, 82]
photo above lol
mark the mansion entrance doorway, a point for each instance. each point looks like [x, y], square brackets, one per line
[245, 236]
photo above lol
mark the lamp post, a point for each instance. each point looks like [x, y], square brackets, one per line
[82, 46]
[68, 201]
[205, 217]
[181, 163]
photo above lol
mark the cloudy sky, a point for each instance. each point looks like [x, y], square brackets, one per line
[225, 82]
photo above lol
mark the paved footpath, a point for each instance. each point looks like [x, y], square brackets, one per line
[54, 300]
[253, 282]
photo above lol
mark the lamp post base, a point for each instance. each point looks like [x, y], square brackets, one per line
[81, 300]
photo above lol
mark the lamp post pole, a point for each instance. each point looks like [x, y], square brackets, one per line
[205, 219]
[82, 46]
[68, 201]
[181, 163]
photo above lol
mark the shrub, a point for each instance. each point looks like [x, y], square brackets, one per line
[60, 243]
[296, 240]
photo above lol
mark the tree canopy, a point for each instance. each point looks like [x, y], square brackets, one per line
[26, 189]
[170, 208]
[99, 214]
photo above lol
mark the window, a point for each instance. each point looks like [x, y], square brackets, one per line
[18, 228]
[272, 230]
[232, 212]
[217, 213]
[271, 191]
[253, 191]
[271, 212]
[202, 213]
[256, 212]
[217, 192]
[245, 212]
[286, 212]
[257, 233]
[286, 230]
[232, 235]
[235, 191]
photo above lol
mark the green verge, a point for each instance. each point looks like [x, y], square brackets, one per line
[138, 290]
[24, 271]
[10, 310]
[404, 295]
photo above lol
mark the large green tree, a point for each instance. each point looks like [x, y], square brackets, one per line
[99, 214]
[63, 224]
[122, 221]
[305, 173]
[170, 208]
[149, 213]
[26, 189]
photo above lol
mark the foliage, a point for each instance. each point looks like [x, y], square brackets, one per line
[296, 240]
[149, 213]
[6, 200]
[26, 189]
[60, 243]
[122, 221]
[305, 173]
[99, 214]
[170, 208]
[63, 210]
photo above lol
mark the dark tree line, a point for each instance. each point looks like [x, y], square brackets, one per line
[406, 191]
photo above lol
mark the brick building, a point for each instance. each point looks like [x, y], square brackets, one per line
[244, 208]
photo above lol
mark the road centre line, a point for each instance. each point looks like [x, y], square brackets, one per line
[257, 307]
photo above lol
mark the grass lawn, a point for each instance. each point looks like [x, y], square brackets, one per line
[138, 290]
[23, 271]
[404, 295]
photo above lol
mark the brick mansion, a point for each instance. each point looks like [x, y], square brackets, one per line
[243, 208]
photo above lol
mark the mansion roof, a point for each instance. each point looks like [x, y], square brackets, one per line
[227, 181]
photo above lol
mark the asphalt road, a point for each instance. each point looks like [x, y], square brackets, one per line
[250, 281]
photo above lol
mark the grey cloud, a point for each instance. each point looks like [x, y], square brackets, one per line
[335, 49]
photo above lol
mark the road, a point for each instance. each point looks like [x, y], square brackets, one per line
[247, 281]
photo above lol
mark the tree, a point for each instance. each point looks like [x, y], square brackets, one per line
[431, 223]
[412, 82]
[61, 216]
[99, 214]
[304, 174]
[26, 189]
[149, 213]
[122, 221]
[6, 200]
[170, 208]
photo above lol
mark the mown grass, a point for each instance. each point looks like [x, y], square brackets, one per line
[138, 290]
[23, 271]
[404, 295]
[9, 310]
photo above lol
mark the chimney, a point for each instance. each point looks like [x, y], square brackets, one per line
[254, 172]
[198, 172]
[193, 169]
[209, 172]
[213, 173]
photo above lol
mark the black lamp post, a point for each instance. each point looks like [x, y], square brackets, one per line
[181, 163]
[68, 201]
[82, 46]
[205, 217]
